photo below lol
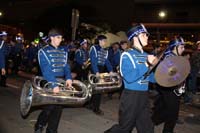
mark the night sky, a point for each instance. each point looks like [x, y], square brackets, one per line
[40, 15]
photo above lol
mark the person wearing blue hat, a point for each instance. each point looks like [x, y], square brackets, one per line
[99, 64]
[53, 63]
[166, 106]
[18, 52]
[3, 38]
[134, 108]
[82, 60]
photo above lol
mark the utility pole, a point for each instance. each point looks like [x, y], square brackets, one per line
[74, 22]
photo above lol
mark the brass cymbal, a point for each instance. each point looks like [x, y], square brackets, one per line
[172, 71]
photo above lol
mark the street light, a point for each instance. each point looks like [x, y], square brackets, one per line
[1, 13]
[162, 14]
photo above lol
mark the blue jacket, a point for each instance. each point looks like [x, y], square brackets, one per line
[133, 69]
[99, 57]
[81, 56]
[53, 63]
[32, 53]
[18, 48]
[114, 58]
[2, 55]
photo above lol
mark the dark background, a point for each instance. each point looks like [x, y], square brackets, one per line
[33, 16]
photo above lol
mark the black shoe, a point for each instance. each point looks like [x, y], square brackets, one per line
[107, 131]
[50, 131]
[110, 96]
[180, 121]
[164, 131]
[98, 112]
[89, 106]
[38, 129]
[3, 85]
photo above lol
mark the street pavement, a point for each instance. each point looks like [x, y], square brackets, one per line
[77, 119]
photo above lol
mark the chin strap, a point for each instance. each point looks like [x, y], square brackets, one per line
[140, 44]
[177, 51]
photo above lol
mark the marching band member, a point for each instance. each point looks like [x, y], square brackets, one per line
[53, 63]
[114, 55]
[3, 36]
[18, 52]
[81, 60]
[99, 64]
[167, 105]
[134, 106]
[114, 58]
[124, 46]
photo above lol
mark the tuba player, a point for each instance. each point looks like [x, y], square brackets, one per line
[53, 63]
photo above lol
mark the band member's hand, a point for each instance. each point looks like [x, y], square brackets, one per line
[97, 74]
[111, 73]
[85, 63]
[69, 83]
[187, 56]
[56, 89]
[152, 60]
[3, 71]
[34, 60]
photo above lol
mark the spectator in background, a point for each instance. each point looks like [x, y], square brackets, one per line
[195, 68]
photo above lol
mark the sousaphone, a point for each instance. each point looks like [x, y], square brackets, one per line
[105, 82]
[38, 92]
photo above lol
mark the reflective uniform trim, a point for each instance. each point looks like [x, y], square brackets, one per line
[78, 51]
[58, 65]
[140, 56]
[58, 70]
[143, 82]
[129, 56]
[107, 54]
[102, 55]
[93, 47]
[1, 44]
[41, 50]
[57, 55]
[140, 62]
[55, 51]
[58, 60]
[66, 56]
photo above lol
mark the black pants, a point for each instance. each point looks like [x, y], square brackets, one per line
[82, 75]
[17, 63]
[3, 80]
[49, 116]
[96, 98]
[134, 111]
[4, 77]
[166, 109]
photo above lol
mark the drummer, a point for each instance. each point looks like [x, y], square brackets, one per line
[166, 107]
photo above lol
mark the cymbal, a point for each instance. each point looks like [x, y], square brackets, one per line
[172, 71]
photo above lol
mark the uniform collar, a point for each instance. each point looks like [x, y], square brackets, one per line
[53, 46]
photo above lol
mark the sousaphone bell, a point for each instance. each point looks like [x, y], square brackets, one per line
[38, 92]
